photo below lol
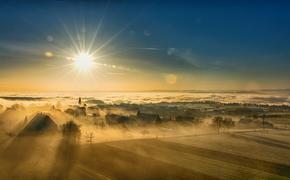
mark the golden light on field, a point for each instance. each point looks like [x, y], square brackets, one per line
[83, 61]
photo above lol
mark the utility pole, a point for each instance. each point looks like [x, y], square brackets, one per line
[263, 122]
[219, 125]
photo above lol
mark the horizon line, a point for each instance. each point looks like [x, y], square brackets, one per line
[157, 90]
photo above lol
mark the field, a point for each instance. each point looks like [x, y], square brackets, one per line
[236, 155]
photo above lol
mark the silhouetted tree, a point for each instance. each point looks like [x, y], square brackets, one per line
[71, 132]
[220, 122]
[67, 151]
[217, 122]
[228, 123]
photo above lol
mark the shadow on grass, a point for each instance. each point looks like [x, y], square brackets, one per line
[65, 159]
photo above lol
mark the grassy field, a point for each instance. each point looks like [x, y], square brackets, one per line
[242, 155]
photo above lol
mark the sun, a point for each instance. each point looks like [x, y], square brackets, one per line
[83, 61]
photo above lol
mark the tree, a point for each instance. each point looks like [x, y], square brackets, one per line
[217, 121]
[220, 122]
[228, 123]
[71, 132]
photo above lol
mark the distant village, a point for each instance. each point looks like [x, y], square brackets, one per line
[235, 114]
[207, 113]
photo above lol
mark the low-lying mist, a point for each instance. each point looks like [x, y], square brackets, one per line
[93, 129]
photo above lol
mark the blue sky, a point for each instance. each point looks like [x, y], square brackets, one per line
[240, 41]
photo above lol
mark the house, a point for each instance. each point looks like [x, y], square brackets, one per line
[80, 111]
[77, 111]
[116, 119]
[148, 118]
[187, 118]
[94, 111]
[41, 123]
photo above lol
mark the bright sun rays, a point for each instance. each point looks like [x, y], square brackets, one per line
[83, 61]
[86, 50]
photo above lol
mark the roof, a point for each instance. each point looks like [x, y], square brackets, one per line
[40, 123]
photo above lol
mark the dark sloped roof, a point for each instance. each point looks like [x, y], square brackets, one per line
[41, 123]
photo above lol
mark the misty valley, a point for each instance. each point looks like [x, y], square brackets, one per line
[91, 139]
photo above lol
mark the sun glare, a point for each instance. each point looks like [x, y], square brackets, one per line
[83, 61]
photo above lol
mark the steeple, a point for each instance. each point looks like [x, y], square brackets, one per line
[80, 100]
